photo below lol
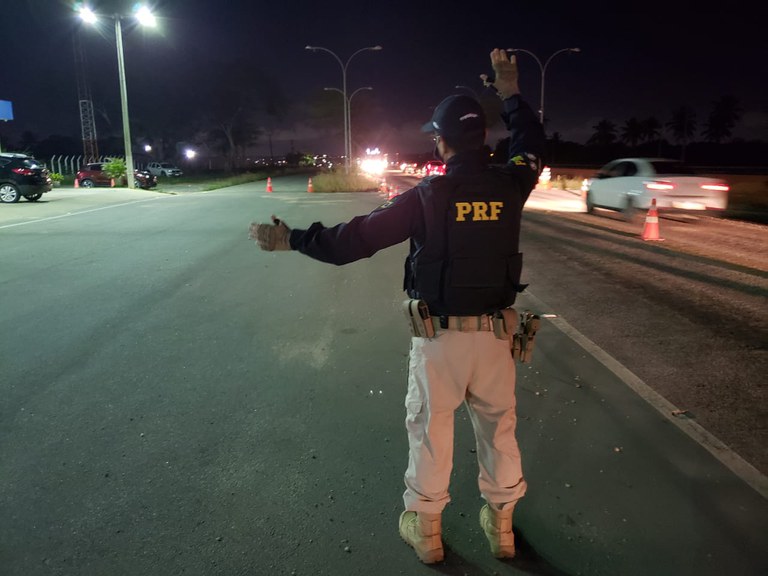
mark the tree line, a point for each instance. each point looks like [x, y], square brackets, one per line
[683, 136]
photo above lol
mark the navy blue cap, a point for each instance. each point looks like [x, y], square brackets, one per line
[456, 118]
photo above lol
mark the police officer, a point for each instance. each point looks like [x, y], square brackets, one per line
[464, 266]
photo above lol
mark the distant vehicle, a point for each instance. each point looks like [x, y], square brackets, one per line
[93, 174]
[22, 175]
[163, 169]
[409, 167]
[433, 168]
[629, 185]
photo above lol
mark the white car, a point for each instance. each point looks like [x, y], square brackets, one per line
[163, 169]
[630, 185]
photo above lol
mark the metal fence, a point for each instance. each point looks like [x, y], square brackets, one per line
[71, 164]
[64, 164]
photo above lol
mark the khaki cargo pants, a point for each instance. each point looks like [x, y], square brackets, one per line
[454, 367]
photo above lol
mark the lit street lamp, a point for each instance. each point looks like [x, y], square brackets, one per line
[347, 139]
[349, 108]
[543, 68]
[145, 18]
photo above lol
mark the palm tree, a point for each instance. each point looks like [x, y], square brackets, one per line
[605, 133]
[726, 112]
[651, 132]
[651, 129]
[683, 127]
[632, 132]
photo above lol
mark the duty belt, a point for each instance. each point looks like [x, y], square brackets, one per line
[463, 323]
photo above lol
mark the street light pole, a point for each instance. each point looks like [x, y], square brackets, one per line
[543, 68]
[124, 103]
[349, 108]
[146, 18]
[344, 66]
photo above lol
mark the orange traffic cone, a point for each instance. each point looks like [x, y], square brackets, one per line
[310, 189]
[269, 184]
[77, 183]
[651, 226]
[383, 186]
[393, 192]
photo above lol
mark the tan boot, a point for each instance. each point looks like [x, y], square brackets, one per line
[421, 531]
[497, 526]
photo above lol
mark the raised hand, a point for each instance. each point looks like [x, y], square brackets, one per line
[505, 70]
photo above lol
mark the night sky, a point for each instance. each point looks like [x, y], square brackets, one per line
[633, 62]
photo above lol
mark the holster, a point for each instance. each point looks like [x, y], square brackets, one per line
[519, 330]
[419, 321]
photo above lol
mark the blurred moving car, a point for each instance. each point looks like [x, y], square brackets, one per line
[163, 169]
[629, 185]
[409, 167]
[22, 175]
[433, 168]
[93, 174]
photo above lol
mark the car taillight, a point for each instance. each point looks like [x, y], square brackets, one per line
[716, 187]
[659, 185]
[23, 171]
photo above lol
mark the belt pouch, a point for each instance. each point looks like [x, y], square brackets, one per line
[511, 322]
[419, 321]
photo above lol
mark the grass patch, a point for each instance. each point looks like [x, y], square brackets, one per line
[567, 183]
[749, 194]
[234, 180]
[339, 182]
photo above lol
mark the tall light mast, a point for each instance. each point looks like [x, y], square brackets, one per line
[87, 120]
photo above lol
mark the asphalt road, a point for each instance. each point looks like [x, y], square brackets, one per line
[177, 402]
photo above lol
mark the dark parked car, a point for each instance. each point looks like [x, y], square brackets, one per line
[22, 175]
[93, 174]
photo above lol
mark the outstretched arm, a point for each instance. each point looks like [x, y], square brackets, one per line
[526, 134]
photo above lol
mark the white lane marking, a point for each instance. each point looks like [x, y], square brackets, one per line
[77, 213]
[712, 444]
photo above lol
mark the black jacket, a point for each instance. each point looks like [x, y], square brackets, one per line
[464, 227]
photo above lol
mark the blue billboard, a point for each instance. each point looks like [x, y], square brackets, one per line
[6, 110]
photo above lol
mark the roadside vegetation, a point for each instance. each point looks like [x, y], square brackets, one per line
[232, 180]
[334, 181]
[340, 182]
[115, 168]
[215, 180]
[749, 194]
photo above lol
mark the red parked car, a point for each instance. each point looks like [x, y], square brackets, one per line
[93, 174]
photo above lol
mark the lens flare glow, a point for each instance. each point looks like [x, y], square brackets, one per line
[373, 165]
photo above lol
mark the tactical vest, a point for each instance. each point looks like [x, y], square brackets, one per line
[468, 263]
